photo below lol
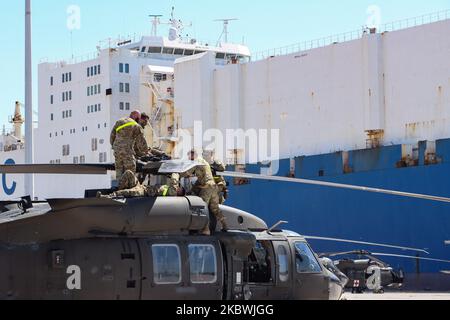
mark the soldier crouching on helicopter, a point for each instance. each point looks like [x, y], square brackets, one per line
[206, 189]
[130, 187]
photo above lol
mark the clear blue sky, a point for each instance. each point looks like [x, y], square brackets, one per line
[264, 24]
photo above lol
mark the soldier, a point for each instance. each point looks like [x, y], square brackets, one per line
[218, 166]
[206, 189]
[131, 188]
[144, 121]
[128, 141]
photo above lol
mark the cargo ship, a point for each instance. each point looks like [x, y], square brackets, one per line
[368, 108]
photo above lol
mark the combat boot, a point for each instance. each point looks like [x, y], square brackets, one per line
[224, 225]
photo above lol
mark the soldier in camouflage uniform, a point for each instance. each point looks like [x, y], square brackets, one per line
[128, 141]
[207, 189]
[218, 166]
[131, 188]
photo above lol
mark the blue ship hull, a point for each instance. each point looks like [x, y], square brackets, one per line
[355, 215]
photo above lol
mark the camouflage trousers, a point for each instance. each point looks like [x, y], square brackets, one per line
[124, 162]
[128, 180]
[210, 195]
[137, 192]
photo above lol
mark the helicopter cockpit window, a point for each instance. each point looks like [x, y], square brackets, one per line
[260, 263]
[283, 261]
[203, 263]
[166, 264]
[305, 260]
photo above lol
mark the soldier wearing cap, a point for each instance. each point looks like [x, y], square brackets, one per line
[206, 188]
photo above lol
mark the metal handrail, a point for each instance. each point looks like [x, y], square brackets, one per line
[352, 35]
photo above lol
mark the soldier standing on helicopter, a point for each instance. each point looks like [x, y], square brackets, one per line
[207, 189]
[128, 141]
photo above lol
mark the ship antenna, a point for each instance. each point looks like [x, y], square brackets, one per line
[224, 34]
[155, 23]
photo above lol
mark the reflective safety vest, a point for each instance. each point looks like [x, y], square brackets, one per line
[126, 125]
[165, 190]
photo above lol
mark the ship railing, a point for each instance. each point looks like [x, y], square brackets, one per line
[352, 35]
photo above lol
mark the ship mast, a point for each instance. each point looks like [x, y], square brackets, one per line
[155, 22]
[225, 32]
[29, 180]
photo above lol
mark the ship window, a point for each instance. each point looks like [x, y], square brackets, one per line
[82, 159]
[51, 99]
[99, 107]
[76, 160]
[179, 52]
[188, 52]
[70, 76]
[51, 81]
[70, 95]
[168, 50]
[92, 71]
[220, 55]
[121, 107]
[154, 50]
[127, 87]
[88, 72]
[127, 68]
[305, 261]
[121, 67]
[121, 87]
[127, 106]
[166, 264]
[143, 49]
[283, 263]
[99, 70]
[94, 144]
[66, 150]
[198, 51]
[203, 263]
[51, 117]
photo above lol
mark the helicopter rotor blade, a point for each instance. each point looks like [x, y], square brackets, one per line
[68, 169]
[372, 244]
[337, 254]
[333, 185]
[408, 257]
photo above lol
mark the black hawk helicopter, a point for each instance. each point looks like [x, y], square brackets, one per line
[150, 248]
[367, 271]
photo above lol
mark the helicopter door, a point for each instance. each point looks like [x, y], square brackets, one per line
[310, 282]
[284, 274]
[260, 271]
[128, 284]
[188, 269]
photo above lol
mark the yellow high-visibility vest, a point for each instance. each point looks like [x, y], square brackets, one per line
[129, 124]
[165, 190]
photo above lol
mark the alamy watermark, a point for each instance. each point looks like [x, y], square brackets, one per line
[374, 17]
[73, 17]
[232, 146]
